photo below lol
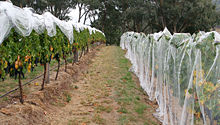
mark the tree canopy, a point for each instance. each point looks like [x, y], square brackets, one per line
[118, 16]
[59, 8]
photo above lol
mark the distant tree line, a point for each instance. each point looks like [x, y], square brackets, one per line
[118, 16]
[148, 16]
[59, 8]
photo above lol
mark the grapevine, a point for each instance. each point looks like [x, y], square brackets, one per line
[21, 54]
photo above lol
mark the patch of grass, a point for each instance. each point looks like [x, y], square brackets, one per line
[10, 82]
[72, 122]
[123, 110]
[124, 92]
[107, 101]
[59, 104]
[125, 100]
[140, 108]
[76, 87]
[37, 71]
[123, 61]
[137, 98]
[132, 118]
[127, 78]
[109, 81]
[68, 97]
[147, 123]
[26, 89]
[69, 60]
[150, 122]
[108, 109]
[123, 119]
[105, 77]
[5, 99]
[106, 94]
[2, 90]
[98, 119]
[129, 95]
[101, 108]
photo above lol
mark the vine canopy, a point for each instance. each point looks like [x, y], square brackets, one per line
[24, 21]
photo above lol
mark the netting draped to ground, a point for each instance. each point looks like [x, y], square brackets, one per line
[180, 71]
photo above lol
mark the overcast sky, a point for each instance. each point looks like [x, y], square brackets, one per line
[74, 15]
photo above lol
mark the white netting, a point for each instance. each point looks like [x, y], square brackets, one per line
[5, 24]
[25, 21]
[181, 72]
[80, 27]
[39, 26]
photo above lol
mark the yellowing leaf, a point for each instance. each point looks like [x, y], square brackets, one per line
[29, 68]
[36, 84]
[6, 64]
[16, 65]
[198, 114]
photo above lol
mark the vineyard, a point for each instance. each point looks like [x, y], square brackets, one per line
[29, 40]
[181, 72]
[61, 73]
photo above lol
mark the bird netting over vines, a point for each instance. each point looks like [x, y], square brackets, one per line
[28, 39]
[24, 21]
[181, 72]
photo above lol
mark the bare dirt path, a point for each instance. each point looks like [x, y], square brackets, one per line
[107, 94]
[104, 93]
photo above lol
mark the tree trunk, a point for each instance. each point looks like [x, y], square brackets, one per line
[87, 47]
[104, 19]
[74, 50]
[85, 50]
[139, 27]
[174, 28]
[134, 29]
[81, 53]
[65, 61]
[21, 5]
[21, 89]
[47, 79]
[85, 17]
[45, 70]
[80, 12]
[77, 56]
[58, 69]
[163, 21]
